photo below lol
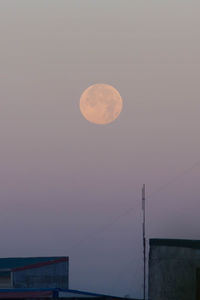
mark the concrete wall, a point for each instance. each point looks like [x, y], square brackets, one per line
[172, 272]
[5, 282]
[49, 276]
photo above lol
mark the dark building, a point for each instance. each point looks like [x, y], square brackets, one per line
[40, 278]
[174, 269]
[34, 272]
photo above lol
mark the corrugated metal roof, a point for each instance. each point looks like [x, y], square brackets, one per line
[26, 293]
[52, 293]
[18, 262]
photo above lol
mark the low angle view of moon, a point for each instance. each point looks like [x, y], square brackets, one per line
[100, 104]
[99, 99]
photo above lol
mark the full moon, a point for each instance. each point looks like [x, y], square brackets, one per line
[100, 103]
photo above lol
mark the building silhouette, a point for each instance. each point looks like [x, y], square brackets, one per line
[174, 269]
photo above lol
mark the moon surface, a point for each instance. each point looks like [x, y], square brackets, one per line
[100, 103]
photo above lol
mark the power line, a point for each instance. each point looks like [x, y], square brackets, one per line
[130, 209]
[176, 178]
[102, 228]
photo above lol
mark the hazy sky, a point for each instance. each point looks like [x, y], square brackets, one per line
[63, 180]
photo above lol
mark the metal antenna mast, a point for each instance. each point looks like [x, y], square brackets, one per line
[144, 239]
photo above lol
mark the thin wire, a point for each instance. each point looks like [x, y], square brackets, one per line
[176, 178]
[164, 186]
[102, 228]
[130, 209]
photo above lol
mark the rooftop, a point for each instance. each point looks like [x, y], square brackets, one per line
[20, 262]
[52, 293]
[10, 264]
[194, 244]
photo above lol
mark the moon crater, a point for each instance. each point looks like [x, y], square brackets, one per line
[100, 104]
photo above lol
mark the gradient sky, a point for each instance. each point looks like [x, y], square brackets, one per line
[65, 181]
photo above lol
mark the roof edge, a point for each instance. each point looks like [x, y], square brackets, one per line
[41, 264]
[183, 243]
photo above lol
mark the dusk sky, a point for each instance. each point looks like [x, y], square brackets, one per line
[70, 187]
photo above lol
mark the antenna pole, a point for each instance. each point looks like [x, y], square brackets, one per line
[144, 239]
